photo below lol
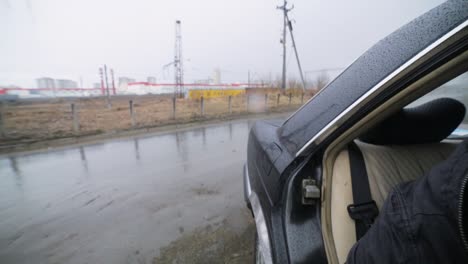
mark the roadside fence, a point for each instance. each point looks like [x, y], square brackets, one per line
[33, 120]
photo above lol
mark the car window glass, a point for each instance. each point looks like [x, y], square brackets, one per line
[457, 89]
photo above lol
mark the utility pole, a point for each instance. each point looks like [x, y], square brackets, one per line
[248, 79]
[295, 51]
[283, 40]
[113, 81]
[101, 74]
[107, 86]
[178, 63]
[107, 82]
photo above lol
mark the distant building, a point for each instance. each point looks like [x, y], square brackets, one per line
[45, 82]
[62, 83]
[97, 85]
[151, 79]
[125, 80]
[19, 92]
[35, 92]
[217, 76]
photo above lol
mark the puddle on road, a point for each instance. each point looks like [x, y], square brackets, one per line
[65, 205]
[216, 243]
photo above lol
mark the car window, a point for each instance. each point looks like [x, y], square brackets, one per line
[457, 89]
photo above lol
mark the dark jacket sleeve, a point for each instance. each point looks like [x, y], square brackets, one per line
[421, 221]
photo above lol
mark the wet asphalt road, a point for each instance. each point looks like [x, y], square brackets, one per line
[173, 197]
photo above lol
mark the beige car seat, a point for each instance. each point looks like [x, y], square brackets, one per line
[386, 166]
[400, 148]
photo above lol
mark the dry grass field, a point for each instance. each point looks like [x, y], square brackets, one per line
[32, 121]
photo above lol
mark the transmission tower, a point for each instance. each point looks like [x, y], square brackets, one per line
[178, 62]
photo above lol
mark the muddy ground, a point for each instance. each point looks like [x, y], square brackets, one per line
[217, 243]
[171, 197]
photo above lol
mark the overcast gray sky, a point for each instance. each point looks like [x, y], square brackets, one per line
[72, 38]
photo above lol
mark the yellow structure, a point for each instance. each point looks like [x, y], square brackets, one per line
[197, 94]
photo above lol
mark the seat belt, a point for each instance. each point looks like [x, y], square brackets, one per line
[364, 209]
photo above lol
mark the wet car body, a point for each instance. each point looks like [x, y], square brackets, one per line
[281, 154]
